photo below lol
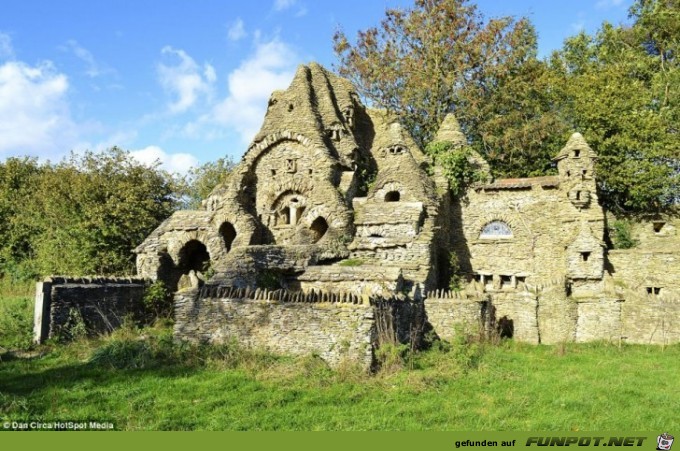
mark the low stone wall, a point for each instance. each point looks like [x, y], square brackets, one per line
[336, 327]
[101, 303]
[551, 317]
[449, 316]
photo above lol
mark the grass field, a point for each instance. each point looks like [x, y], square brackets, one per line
[142, 380]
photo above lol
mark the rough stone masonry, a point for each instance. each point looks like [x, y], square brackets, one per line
[335, 198]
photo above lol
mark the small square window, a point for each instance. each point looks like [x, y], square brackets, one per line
[585, 256]
[658, 226]
[577, 153]
[506, 281]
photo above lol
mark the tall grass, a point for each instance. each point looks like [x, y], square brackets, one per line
[16, 314]
[142, 379]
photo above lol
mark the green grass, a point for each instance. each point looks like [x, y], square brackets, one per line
[141, 379]
[16, 323]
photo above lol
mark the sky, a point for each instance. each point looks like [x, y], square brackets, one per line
[187, 82]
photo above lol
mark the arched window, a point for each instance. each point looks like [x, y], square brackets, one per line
[496, 229]
[228, 234]
[392, 196]
[318, 228]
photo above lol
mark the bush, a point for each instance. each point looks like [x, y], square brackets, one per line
[457, 165]
[621, 235]
[158, 300]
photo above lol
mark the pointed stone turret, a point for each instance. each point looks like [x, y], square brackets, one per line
[450, 131]
[576, 147]
[576, 161]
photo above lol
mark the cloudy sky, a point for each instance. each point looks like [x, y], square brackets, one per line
[187, 82]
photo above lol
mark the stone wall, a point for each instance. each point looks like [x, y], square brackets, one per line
[449, 316]
[551, 317]
[336, 327]
[102, 304]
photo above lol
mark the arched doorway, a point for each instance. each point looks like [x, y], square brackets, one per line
[193, 256]
[228, 234]
[318, 228]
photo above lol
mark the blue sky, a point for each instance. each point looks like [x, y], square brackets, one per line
[187, 82]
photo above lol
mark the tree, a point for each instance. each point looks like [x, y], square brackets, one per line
[200, 181]
[442, 57]
[622, 93]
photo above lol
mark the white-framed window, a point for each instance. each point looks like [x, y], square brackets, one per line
[496, 229]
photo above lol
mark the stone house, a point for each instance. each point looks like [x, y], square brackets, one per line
[334, 205]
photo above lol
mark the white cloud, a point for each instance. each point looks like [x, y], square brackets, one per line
[237, 30]
[269, 68]
[6, 50]
[172, 162]
[185, 79]
[280, 5]
[94, 69]
[34, 113]
[606, 4]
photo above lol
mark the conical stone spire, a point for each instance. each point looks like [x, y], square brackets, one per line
[576, 142]
[450, 131]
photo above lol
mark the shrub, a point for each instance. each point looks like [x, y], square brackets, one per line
[158, 300]
[621, 235]
[456, 163]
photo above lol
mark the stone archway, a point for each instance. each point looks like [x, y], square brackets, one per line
[193, 256]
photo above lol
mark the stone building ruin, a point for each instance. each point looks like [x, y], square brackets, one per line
[336, 228]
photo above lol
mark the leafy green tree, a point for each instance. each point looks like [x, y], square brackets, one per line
[200, 181]
[442, 57]
[622, 91]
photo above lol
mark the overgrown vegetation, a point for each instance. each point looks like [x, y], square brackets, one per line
[455, 278]
[158, 301]
[16, 323]
[268, 279]
[621, 235]
[457, 165]
[85, 214]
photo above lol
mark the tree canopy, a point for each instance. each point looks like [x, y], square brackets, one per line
[618, 87]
